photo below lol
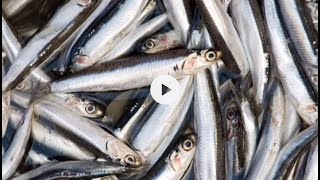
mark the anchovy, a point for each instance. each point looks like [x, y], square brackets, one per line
[127, 44]
[135, 72]
[161, 42]
[224, 34]
[249, 24]
[105, 37]
[14, 154]
[72, 170]
[311, 171]
[286, 68]
[271, 137]
[290, 152]
[180, 16]
[210, 155]
[301, 37]
[10, 41]
[98, 140]
[177, 163]
[43, 46]
[163, 124]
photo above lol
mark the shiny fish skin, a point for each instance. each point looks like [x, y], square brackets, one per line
[180, 14]
[163, 124]
[161, 42]
[254, 44]
[287, 70]
[311, 171]
[98, 141]
[291, 151]
[72, 169]
[210, 155]
[134, 72]
[17, 148]
[10, 43]
[301, 39]
[109, 33]
[224, 35]
[127, 44]
[178, 162]
[271, 140]
[42, 46]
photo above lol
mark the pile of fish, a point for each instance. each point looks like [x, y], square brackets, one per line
[76, 102]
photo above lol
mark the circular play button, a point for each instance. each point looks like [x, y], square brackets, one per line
[165, 89]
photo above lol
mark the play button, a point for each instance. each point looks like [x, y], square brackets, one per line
[165, 89]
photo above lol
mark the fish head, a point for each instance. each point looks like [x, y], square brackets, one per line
[200, 60]
[180, 158]
[80, 62]
[85, 106]
[122, 153]
[152, 45]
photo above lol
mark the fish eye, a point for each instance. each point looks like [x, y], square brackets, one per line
[187, 144]
[210, 56]
[149, 44]
[131, 160]
[231, 114]
[21, 86]
[90, 108]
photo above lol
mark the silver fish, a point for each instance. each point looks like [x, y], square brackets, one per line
[98, 141]
[136, 72]
[160, 42]
[17, 148]
[286, 68]
[290, 152]
[311, 171]
[210, 155]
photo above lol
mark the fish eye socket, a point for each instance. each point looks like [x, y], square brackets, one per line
[210, 56]
[187, 145]
[90, 108]
[131, 160]
[21, 86]
[231, 114]
[149, 44]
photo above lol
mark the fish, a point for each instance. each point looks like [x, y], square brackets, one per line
[14, 154]
[161, 42]
[43, 46]
[287, 70]
[291, 151]
[122, 74]
[313, 162]
[210, 155]
[224, 35]
[178, 162]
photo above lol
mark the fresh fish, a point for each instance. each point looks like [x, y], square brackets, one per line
[178, 162]
[14, 154]
[94, 138]
[242, 134]
[127, 44]
[72, 170]
[136, 72]
[161, 42]
[300, 35]
[180, 15]
[290, 152]
[271, 140]
[43, 46]
[163, 124]
[224, 35]
[210, 155]
[249, 24]
[81, 104]
[311, 171]
[102, 39]
[10, 43]
[286, 68]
